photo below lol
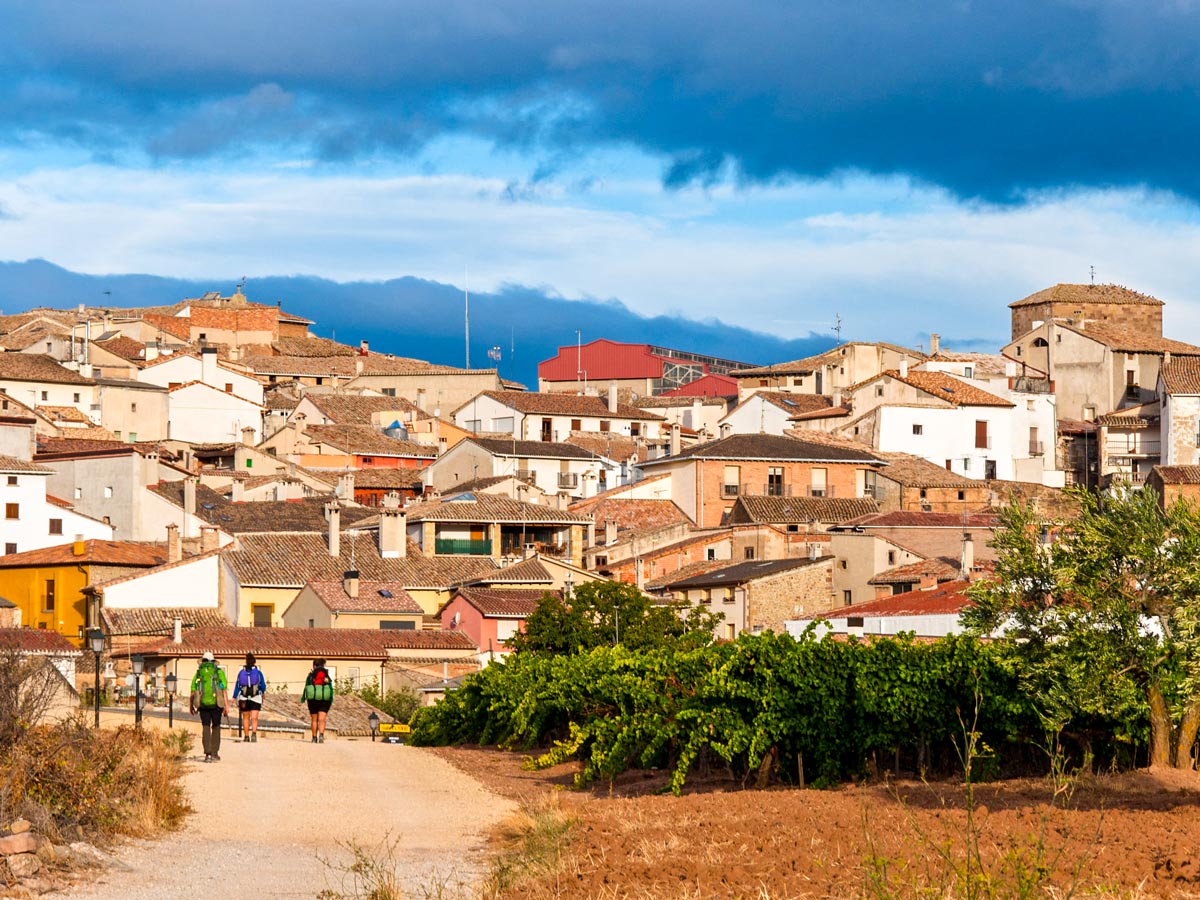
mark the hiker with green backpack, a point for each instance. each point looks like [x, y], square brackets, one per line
[318, 692]
[209, 696]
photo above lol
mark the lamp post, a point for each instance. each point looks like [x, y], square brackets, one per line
[95, 638]
[373, 721]
[139, 665]
[172, 683]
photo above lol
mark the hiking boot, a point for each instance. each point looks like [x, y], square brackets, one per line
[208, 757]
[314, 738]
[254, 738]
[321, 739]
[216, 757]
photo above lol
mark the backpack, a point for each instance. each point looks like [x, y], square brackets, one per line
[251, 686]
[321, 687]
[208, 681]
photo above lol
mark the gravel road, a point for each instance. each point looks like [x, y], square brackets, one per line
[268, 813]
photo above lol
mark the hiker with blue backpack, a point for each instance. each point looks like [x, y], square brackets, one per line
[211, 698]
[248, 691]
[318, 692]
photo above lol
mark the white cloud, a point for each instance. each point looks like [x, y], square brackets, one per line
[896, 261]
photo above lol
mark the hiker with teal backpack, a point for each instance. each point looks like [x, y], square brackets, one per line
[210, 697]
[248, 690]
[318, 692]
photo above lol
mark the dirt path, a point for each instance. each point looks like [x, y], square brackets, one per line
[268, 812]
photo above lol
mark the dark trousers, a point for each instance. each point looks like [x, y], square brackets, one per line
[210, 735]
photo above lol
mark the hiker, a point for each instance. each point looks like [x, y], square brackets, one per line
[318, 691]
[248, 691]
[210, 697]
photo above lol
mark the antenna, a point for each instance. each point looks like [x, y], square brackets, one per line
[241, 286]
[837, 326]
[1093, 273]
[578, 355]
[467, 314]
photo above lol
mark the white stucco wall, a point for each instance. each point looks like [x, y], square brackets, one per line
[193, 584]
[182, 368]
[201, 415]
[755, 416]
[949, 434]
[31, 529]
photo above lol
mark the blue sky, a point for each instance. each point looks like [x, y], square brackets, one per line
[909, 166]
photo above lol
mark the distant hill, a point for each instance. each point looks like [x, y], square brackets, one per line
[414, 317]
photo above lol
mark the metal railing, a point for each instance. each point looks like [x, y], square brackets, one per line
[1037, 448]
[568, 479]
[462, 547]
[729, 490]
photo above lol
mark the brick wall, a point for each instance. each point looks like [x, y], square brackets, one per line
[788, 595]
[945, 500]
[1145, 319]
[712, 504]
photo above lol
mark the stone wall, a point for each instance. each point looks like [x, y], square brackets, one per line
[797, 592]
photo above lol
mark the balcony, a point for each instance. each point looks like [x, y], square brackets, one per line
[568, 480]
[729, 490]
[462, 547]
[1037, 448]
[823, 491]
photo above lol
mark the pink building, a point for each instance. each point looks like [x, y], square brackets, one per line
[490, 616]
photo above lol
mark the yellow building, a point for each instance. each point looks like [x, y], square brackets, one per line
[48, 584]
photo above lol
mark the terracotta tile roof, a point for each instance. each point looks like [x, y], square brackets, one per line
[160, 620]
[64, 445]
[307, 366]
[531, 449]
[294, 559]
[945, 599]
[800, 510]
[832, 412]
[1130, 340]
[914, 471]
[12, 465]
[982, 363]
[381, 478]
[281, 398]
[63, 414]
[373, 597]
[1143, 415]
[945, 387]
[944, 568]
[482, 484]
[366, 440]
[678, 401]
[616, 447]
[1178, 474]
[359, 409]
[37, 640]
[702, 567]
[95, 552]
[208, 387]
[88, 433]
[903, 519]
[830, 357]
[527, 571]
[502, 602]
[305, 514]
[311, 643]
[491, 508]
[712, 535]
[1087, 293]
[792, 404]
[552, 404]
[1181, 375]
[312, 346]
[626, 513]
[769, 447]
[124, 347]
[36, 367]
[28, 335]
[743, 572]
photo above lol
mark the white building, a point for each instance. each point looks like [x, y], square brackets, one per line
[203, 414]
[769, 412]
[553, 467]
[30, 520]
[552, 417]
[181, 368]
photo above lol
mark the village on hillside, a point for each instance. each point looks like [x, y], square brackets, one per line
[211, 476]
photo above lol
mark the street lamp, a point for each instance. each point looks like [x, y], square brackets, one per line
[139, 664]
[568, 586]
[172, 683]
[95, 639]
[373, 721]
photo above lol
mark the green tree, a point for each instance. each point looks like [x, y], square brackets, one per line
[605, 613]
[1106, 620]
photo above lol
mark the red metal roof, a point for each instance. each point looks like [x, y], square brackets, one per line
[602, 359]
[709, 385]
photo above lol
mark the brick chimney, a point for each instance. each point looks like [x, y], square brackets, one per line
[333, 515]
[928, 581]
[208, 539]
[174, 546]
[248, 436]
[393, 533]
[350, 584]
[935, 344]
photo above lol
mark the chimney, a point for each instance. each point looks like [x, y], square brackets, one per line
[612, 397]
[928, 581]
[151, 351]
[968, 556]
[935, 344]
[208, 365]
[904, 367]
[174, 548]
[237, 490]
[189, 502]
[177, 631]
[726, 429]
[392, 500]
[358, 365]
[530, 551]
[393, 532]
[248, 436]
[364, 348]
[1166, 357]
[421, 399]
[837, 398]
[345, 486]
[675, 442]
[350, 584]
[79, 547]
[639, 577]
[333, 514]
[610, 533]
[150, 468]
[697, 413]
[208, 539]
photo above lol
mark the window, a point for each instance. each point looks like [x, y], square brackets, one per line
[981, 435]
[577, 424]
[962, 495]
[775, 481]
[48, 605]
[854, 621]
[12, 480]
[473, 425]
[368, 460]
[203, 336]
[923, 489]
[117, 435]
[605, 425]
[1018, 349]
[133, 407]
[847, 598]
[797, 382]
[49, 347]
[793, 529]
[601, 561]
[728, 598]
[74, 398]
[228, 387]
[10, 548]
[730, 631]
[891, 557]
[879, 390]
[733, 477]
[312, 623]
[748, 553]
[12, 510]
[504, 424]
[968, 372]
[262, 614]
[819, 486]
[966, 464]
[635, 429]
[706, 595]
[711, 553]
[320, 380]
[918, 429]
[56, 526]
[132, 437]
[842, 563]
[45, 395]
[762, 382]
[108, 491]
[388, 392]
[78, 493]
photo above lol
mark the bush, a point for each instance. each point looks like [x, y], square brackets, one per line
[399, 704]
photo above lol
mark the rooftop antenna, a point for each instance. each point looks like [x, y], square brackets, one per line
[837, 326]
[578, 355]
[467, 314]
[1093, 272]
[241, 285]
